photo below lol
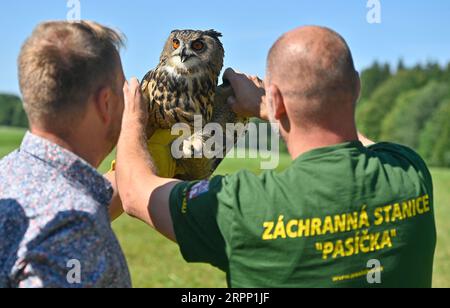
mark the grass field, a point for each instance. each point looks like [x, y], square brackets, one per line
[155, 262]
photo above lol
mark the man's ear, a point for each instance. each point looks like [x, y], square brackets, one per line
[103, 104]
[279, 109]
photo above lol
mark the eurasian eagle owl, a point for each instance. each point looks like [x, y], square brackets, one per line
[185, 85]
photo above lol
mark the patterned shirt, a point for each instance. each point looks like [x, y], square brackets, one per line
[55, 229]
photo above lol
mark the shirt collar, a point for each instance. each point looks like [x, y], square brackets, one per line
[330, 150]
[73, 168]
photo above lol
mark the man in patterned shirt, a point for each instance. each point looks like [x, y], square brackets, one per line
[54, 221]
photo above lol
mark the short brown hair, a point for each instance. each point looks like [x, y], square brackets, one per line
[62, 63]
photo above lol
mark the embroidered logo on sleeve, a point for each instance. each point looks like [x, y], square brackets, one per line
[198, 189]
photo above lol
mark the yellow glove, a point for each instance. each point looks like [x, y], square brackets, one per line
[160, 148]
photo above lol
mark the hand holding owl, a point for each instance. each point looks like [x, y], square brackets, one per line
[135, 115]
[249, 98]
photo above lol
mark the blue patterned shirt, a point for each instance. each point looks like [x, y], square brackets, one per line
[55, 229]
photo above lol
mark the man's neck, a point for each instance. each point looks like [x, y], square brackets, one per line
[71, 144]
[301, 142]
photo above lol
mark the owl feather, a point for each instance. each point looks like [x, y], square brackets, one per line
[184, 85]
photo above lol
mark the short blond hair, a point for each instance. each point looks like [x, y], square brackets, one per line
[62, 63]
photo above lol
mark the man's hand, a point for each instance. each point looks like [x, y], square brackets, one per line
[250, 95]
[144, 195]
[135, 116]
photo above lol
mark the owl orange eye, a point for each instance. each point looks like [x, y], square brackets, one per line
[197, 46]
[176, 44]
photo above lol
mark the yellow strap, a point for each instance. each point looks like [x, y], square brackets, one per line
[113, 166]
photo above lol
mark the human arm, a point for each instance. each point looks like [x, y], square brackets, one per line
[184, 212]
[144, 195]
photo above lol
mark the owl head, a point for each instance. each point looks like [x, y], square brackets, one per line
[194, 51]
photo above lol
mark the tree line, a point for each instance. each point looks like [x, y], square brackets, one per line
[11, 111]
[407, 105]
[410, 106]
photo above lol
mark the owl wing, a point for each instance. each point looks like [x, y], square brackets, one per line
[176, 99]
[165, 99]
[145, 83]
[148, 86]
[224, 114]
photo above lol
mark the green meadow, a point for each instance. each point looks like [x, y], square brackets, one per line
[156, 262]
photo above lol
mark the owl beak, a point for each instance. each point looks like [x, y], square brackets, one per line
[184, 56]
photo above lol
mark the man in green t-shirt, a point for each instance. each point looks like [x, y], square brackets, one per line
[346, 213]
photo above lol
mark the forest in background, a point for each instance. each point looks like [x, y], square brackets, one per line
[11, 111]
[410, 106]
[407, 105]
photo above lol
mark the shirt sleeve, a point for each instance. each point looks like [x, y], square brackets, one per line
[202, 215]
[68, 253]
[407, 157]
[13, 226]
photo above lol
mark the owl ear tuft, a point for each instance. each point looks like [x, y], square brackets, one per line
[216, 36]
[213, 33]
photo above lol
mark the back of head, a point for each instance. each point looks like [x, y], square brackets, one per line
[61, 65]
[313, 68]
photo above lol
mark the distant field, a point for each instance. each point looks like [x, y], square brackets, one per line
[155, 262]
[9, 139]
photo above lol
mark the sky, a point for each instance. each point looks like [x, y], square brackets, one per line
[414, 30]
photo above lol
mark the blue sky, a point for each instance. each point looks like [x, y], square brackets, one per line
[414, 30]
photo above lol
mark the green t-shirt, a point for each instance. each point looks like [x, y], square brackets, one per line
[317, 224]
